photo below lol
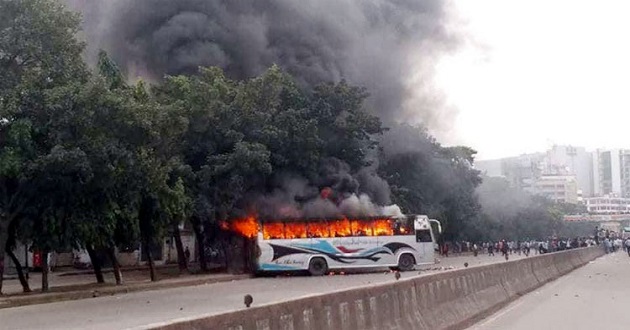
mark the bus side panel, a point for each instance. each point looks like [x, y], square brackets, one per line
[341, 252]
[404, 244]
[280, 255]
[351, 252]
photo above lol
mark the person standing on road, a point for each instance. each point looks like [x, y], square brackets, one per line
[491, 249]
[596, 235]
[505, 249]
[607, 245]
[627, 245]
[187, 255]
[526, 248]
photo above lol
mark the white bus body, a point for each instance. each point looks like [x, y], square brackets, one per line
[319, 255]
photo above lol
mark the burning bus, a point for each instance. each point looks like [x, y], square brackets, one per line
[321, 245]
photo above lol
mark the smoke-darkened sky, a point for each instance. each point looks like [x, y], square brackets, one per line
[504, 77]
[388, 46]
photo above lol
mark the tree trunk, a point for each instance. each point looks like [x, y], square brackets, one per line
[181, 255]
[4, 237]
[111, 253]
[20, 271]
[45, 270]
[250, 250]
[96, 264]
[147, 249]
[201, 252]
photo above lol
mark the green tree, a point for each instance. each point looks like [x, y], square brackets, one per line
[57, 178]
[348, 132]
[223, 164]
[428, 178]
[241, 133]
[39, 55]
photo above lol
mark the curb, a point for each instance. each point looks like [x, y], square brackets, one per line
[109, 290]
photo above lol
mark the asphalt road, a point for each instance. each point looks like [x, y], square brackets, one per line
[137, 310]
[596, 296]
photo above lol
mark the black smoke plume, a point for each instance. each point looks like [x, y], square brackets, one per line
[388, 46]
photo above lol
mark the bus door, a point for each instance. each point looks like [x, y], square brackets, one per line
[424, 240]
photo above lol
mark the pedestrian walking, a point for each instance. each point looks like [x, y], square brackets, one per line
[505, 250]
[187, 255]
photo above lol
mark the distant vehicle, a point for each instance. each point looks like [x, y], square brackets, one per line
[319, 246]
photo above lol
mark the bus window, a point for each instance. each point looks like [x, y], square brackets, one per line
[382, 227]
[317, 229]
[361, 228]
[402, 228]
[340, 228]
[423, 236]
[273, 230]
[295, 230]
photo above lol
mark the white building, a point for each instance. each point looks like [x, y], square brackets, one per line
[521, 171]
[611, 172]
[603, 172]
[569, 160]
[608, 205]
[558, 188]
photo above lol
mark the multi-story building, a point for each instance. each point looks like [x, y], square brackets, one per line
[602, 172]
[558, 188]
[569, 160]
[521, 172]
[624, 163]
[607, 205]
[611, 172]
[532, 171]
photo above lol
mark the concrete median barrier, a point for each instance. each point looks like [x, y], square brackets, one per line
[564, 261]
[544, 268]
[450, 300]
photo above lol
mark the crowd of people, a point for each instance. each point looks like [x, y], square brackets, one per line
[612, 245]
[611, 242]
[505, 248]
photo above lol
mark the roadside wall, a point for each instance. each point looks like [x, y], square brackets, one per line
[451, 300]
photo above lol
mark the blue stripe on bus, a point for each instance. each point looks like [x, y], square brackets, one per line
[322, 246]
[277, 267]
[377, 249]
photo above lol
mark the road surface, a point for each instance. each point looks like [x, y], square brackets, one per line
[136, 310]
[596, 296]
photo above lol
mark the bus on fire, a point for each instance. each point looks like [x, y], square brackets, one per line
[319, 246]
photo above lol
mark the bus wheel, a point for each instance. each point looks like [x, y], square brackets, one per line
[406, 262]
[317, 267]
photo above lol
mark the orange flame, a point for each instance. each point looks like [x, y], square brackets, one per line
[249, 227]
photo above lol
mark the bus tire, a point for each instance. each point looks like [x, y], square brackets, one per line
[406, 262]
[317, 267]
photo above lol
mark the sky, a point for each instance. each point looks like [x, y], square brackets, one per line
[534, 73]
